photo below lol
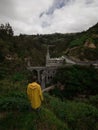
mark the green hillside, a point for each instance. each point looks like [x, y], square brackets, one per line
[74, 108]
[54, 114]
[34, 46]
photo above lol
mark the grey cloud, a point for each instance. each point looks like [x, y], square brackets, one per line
[7, 8]
[61, 16]
[57, 4]
[77, 15]
[89, 1]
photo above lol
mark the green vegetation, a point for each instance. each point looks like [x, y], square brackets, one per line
[54, 114]
[74, 108]
[73, 113]
[34, 47]
[77, 115]
[79, 41]
[78, 80]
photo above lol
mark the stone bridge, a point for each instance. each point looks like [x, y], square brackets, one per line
[44, 74]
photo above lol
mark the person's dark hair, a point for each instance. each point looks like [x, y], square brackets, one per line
[32, 79]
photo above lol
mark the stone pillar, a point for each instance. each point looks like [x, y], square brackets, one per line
[38, 72]
[43, 81]
[28, 63]
[47, 81]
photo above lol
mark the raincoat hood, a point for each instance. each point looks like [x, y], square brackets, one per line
[32, 86]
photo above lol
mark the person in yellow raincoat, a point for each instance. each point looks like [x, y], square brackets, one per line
[34, 93]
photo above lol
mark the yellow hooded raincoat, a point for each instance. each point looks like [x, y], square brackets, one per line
[34, 94]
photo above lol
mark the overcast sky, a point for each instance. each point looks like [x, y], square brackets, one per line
[49, 16]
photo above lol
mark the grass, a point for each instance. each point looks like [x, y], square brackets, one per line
[54, 114]
[28, 120]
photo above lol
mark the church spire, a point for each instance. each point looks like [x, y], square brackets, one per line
[47, 56]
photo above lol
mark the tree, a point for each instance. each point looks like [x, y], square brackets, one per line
[9, 29]
[6, 31]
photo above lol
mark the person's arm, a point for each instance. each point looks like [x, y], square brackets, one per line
[29, 92]
[40, 93]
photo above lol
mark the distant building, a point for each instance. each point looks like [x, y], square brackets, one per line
[50, 62]
[46, 73]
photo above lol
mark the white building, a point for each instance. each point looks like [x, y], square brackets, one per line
[50, 62]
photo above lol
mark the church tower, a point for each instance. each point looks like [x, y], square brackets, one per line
[47, 56]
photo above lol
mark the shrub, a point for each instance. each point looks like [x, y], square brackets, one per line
[18, 77]
[14, 101]
[77, 115]
[94, 100]
[78, 80]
